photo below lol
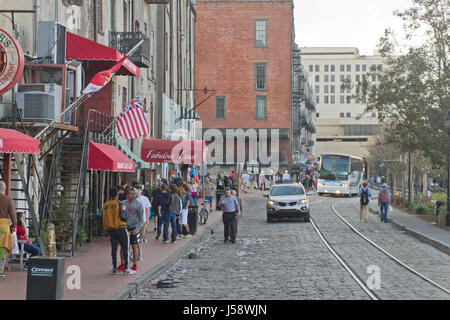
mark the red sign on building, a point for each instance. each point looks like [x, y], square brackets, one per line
[179, 152]
[11, 62]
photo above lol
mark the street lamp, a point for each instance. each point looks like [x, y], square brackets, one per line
[447, 124]
[409, 169]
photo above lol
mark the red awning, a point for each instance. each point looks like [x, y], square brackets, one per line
[79, 48]
[108, 158]
[183, 151]
[13, 141]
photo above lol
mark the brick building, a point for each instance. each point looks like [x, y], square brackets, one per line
[244, 53]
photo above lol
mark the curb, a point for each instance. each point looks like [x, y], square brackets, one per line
[428, 240]
[133, 288]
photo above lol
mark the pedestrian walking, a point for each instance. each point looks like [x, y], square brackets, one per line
[262, 180]
[193, 189]
[135, 221]
[145, 202]
[384, 200]
[230, 207]
[286, 177]
[7, 216]
[246, 181]
[162, 208]
[178, 214]
[117, 230]
[378, 181]
[173, 206]
[372, 181]
[220, 184]
[154, 209]
[239, 215]
[365, 195]
[209, 193]
[186, 201]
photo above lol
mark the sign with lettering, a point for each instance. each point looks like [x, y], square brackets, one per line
[11, 61]
[171, 151]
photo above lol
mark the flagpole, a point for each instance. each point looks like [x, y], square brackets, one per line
[81, 99]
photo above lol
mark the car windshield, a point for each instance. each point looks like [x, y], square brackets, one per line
[286, 191]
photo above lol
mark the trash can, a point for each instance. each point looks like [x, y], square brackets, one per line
[192, 219]
[219, 193]
[45, 278]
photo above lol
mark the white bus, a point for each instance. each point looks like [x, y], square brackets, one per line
[340, 174]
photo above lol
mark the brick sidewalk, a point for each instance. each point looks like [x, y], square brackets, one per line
[94, 260]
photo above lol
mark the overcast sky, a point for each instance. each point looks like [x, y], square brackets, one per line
[345, 23]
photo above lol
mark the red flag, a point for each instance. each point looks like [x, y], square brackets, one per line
[102, 78]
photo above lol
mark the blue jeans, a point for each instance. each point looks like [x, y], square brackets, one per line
[32, 249]
[178, 225]
[170, 218]
[160, 221]
[384, 206]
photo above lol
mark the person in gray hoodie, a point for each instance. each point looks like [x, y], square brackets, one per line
[135, 221]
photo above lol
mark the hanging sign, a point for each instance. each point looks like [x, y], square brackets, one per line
[11, 62]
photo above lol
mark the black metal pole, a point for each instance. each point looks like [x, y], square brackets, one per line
[447, 217]
[409, 177]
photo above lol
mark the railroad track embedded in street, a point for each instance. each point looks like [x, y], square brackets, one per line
[352, 273]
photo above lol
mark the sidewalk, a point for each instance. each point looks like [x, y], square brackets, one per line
[418, 228]
[94, 261]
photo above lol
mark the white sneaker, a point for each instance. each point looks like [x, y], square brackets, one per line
[139, 258]
[129, 271]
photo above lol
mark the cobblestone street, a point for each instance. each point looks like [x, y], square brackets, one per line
[287, 260]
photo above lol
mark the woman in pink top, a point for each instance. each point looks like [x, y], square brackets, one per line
[22, 234]
[193, 188]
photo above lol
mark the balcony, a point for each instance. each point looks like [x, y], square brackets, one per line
[125, 41]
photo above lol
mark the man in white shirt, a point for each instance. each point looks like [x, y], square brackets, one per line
[147, 205]
[286, 177]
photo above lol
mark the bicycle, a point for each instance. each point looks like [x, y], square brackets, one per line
[203, 214]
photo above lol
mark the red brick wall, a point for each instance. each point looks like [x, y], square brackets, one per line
[225, 57]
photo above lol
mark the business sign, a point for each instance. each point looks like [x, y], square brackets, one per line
[11, 62]
[42, 271]
[174, 151]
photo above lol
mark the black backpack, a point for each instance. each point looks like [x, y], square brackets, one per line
[364, 197]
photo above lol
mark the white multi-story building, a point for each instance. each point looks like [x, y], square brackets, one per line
[338, 129]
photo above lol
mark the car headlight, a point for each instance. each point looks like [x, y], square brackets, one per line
[271, 202]
[345, 185]
[302, 201]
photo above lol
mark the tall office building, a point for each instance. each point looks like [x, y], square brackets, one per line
[338, 129]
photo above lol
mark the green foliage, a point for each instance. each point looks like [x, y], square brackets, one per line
[420, 208]
[412, 95]
[439, 196]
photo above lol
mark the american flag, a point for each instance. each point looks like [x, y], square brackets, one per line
[131, 122]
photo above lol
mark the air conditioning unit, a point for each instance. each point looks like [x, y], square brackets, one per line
[40, 101]
[51, 42]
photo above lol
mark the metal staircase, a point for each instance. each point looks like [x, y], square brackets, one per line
[65, 192]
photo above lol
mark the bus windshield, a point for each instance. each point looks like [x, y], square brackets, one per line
[334, 167]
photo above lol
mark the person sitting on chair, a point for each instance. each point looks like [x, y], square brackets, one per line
[22, 234]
